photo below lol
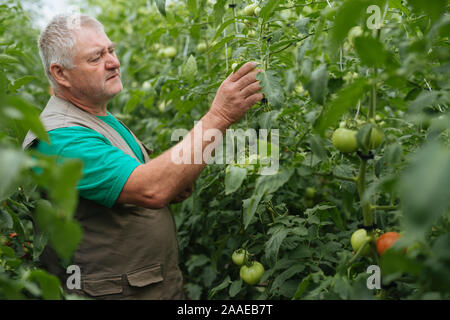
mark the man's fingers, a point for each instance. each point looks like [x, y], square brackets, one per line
[251, 89]
[246, 68]
[254, 98]
[247, 79]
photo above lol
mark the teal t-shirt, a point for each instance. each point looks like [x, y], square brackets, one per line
[106, 168]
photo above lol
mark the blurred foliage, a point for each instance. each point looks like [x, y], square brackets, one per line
[324, 68]
[27, 219]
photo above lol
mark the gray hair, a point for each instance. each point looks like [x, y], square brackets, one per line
[57, 40]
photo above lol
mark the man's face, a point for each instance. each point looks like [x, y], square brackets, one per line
[96, 76]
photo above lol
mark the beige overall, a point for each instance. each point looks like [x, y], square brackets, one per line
[127, 252]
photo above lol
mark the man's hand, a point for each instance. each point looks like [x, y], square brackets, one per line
[237, 94]
[184, 194]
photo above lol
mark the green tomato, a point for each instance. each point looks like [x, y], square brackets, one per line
[201, 47]
[249, 10]
[344, 140]
[307, 10]
[310, 192]
[239, 256]
[257, 11]
[170, 52]
[299, 88]
[354, 33]
[359, 237]
[252, 273]
[376, 138]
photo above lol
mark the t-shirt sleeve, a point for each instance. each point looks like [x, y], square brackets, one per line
[106, 168]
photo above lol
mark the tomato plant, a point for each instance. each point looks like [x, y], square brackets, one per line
[360, 102]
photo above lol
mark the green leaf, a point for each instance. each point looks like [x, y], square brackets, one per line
[221, 43]
[11, 162]
[64, 235]
[249, 208]
[346, 99]
[63, 181]
[234, 176]
[394, 262]
[189, 69]
[424, 99]
[317, 147]
[363, 136]
[271, 183]
[370, 51]
[17, 224]
[7, 59]
[302, 287]
[7, 252]
[393, 154]
[219, 10]
[424, 188]
[347, 16]
[49, 284]
[268, 8]
[225, 283]
[133, 102]
[318, 84]
[278, 234]
[267, 120]
[271, 87]
[265, 184]
[398, 4]
[222, 27]
[161, 5]
[20, 83]
[301, 50]
[30, 116]
[235, 288]
[302, 24]
[192, 6]
[433, 9]
[287, 274]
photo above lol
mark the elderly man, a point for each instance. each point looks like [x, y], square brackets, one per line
[129, 248]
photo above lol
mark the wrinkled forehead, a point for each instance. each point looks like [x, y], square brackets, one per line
[90, 40]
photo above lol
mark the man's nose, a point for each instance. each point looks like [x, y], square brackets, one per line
[112, 62]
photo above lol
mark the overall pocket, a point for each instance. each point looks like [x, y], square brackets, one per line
[103, 287]
[146, 283]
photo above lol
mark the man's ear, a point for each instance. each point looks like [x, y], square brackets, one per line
[59, 73]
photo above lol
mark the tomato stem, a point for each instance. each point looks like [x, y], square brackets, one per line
[373, 99]
[236, 29]
[361, 186]
[390, 207]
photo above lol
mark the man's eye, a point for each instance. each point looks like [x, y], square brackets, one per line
[96, 59]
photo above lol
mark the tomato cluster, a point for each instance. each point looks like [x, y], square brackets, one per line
[251, 272]
[345, 140]
[360, 238]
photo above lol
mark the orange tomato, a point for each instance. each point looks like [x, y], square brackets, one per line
[386, 240]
